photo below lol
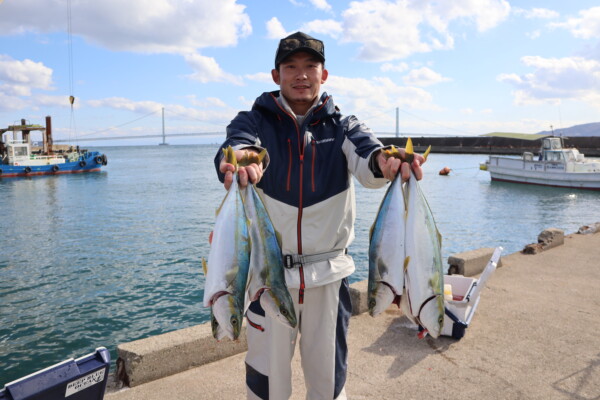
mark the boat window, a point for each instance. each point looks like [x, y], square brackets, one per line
[20, 151]
[570, 156]
[554, 156]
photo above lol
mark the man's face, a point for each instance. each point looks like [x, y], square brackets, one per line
[300, 77]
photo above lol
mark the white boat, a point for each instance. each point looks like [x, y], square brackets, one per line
[553, 166]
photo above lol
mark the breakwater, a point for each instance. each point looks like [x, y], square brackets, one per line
[589, 145]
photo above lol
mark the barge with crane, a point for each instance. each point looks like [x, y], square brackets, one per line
[20, 158]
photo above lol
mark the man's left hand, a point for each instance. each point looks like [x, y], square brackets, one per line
[391, 166]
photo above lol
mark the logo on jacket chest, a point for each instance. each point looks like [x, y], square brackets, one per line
[324, 140]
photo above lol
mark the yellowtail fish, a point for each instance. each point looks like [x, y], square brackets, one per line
[266, 278]
[386, 248]
[228, 263]
[423, 301]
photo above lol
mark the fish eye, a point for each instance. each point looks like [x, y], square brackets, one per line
[233, 320]
[372, 303]
[283, 311]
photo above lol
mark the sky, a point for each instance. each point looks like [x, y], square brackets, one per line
[450, 68]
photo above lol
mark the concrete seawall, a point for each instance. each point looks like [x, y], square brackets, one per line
[590, 146]
[179, 355]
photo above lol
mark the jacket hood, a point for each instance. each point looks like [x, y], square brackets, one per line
[268, 101]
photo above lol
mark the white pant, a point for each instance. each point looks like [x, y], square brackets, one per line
[323, 324]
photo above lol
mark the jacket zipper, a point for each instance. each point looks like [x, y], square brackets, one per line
[312, 170]
[299, 228]
[289, 174]
[299, 220]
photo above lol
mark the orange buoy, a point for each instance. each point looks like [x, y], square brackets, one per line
[445, 171]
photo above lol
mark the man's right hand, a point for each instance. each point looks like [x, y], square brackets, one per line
[249, 174]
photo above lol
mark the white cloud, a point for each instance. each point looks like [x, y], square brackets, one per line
[374, 100]
[176, 111]
[587, 26]
[537, 13]
[18, 77]
[392, 30]
[556, 79]
[263, 77]
[323, 27]
[159, 26]
[423, 77]
[208, 102]
[389, 67]
[321, 5]
[208, 70]
[121, 103]
[11, 103]
[275, 29]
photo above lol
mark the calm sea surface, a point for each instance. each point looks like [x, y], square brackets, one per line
[104, 258]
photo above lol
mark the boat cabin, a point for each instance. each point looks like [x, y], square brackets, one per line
[552, 150]
[18, 151]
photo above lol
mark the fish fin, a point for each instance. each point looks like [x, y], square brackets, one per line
[427, 152]
[406, 262]
[422, 333]
[261, 156]
[409, 151]
[251, 157]
[229, 155]
[204, 266]
[279, 239]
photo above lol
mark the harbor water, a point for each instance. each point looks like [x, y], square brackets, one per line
[99, 259]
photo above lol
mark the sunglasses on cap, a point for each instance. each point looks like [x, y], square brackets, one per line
[297, 42]
[291, 44]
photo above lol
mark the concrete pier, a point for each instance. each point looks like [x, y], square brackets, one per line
[534, 336]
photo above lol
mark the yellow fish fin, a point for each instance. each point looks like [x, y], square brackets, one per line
[409, 151]
[204, 266]
[406, 262]
[427, 152]
[229, 155]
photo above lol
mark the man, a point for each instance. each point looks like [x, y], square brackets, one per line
[313, 152]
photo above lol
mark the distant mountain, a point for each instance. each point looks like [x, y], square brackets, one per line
[592, 129]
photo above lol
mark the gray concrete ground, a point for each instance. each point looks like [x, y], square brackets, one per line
[533, 336]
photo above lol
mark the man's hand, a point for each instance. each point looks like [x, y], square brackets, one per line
[248, 174]
[390, 166]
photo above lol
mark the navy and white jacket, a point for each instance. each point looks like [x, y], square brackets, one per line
[308, 187]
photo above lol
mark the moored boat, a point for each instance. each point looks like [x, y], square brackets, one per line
[19, 157]
[555, 166]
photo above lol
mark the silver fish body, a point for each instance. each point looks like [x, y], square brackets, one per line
[386, 250]
[266, 279]
[228, 265]
[424, 275]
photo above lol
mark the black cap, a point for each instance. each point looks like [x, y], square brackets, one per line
[296, 42]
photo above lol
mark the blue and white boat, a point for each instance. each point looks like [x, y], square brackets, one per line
[19, 158]
[555, 166]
